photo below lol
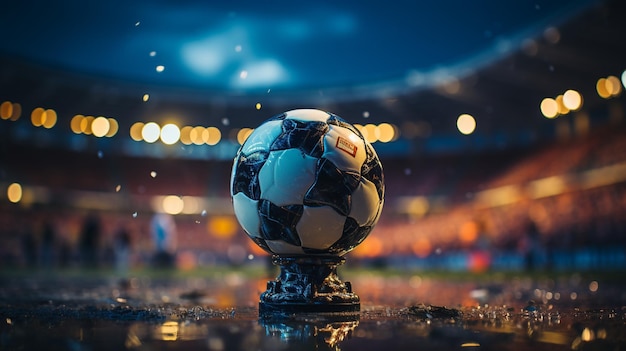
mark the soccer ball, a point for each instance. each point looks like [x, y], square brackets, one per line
[306, 182]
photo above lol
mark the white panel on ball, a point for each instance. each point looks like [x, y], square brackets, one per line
[262, 137]
[320, 227]
[365, 203]
[344, 148]
[308, 115]
[284, 248]
[246, 211]
[286, 176]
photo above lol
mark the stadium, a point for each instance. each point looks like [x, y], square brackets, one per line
[502, 137]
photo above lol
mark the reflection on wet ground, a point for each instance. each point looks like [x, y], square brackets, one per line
[82, 312]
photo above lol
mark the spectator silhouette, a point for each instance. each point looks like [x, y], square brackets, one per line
[532, 247]
[48, 239]
[164, 236]
[122, 251]
[89, 240]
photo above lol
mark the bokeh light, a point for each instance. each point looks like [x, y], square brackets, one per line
[170, 134]
[572, 100]
[113, 128]
[100, 126]
[243, 134]
[173, 204]
[85, 125]
[150, 132]
[135, 131]
[14, 192]
[466, 124]
[185, 135]
[214, 136]
[6, 110]
[549, 108]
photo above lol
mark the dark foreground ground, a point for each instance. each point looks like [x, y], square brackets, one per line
[217, 309]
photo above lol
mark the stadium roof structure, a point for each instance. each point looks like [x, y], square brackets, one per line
[416, 66]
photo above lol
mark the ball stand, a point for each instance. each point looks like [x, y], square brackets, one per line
[308, 284]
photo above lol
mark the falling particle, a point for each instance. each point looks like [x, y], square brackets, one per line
[197, 221]
[137, 24]
[407, 171]
[203, 213]
[118, 188]
[225, 121]
[152, 53]
[366, 114]
[238, 48]
[160, 68]
[145, 97]
[100, 154]
[551, 68]
[258, 106]
[134, 214]
[9, 321]
[269, 90]
[243, 74]
[250, 257]
[153, 174]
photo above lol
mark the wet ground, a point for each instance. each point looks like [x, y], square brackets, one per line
[399, 311]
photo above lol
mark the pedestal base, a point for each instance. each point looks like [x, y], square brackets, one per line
[308, 284]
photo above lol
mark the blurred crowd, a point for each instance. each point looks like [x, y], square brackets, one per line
[575, 227]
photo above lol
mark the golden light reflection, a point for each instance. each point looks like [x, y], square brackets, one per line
[214, 136]
[562, 109]
[6, 110]
[113, 128]
[243, 134]
[196, 135]
[601, 88]
[172, 204]
[135, 131]
[17, 112]
[185, 135]
[75, 123]
[613, 86]
[85, 125]
[385, 132]
[549, 108]
[168, 331]
[14, 192]
[49, 118]
[223, 227]
[36, 117]
[466, 124]
[100, 126]
[572, 100]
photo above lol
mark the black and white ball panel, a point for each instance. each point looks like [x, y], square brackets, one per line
[320, 227]
[286, 176]
[247, 213]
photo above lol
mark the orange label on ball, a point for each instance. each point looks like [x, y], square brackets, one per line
[346, 146]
